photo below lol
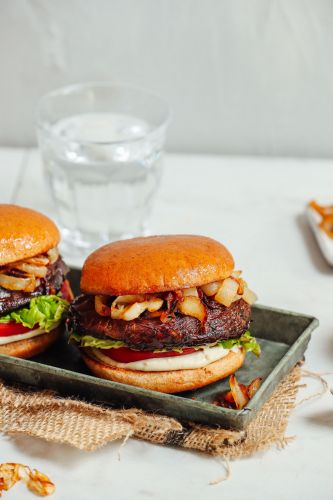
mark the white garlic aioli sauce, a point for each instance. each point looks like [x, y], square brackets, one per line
[197, 359]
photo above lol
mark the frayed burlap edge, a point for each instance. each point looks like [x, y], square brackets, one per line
[88, 427]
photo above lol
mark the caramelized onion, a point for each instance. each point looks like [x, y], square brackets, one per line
[155, 314]
[53, 254]
[18, 284]
[133, 311]
[211, 288]
[38, 261]
[227, 292]
[128, 299]
[23, 275]
[186, 301]
[249, 296]
[117, 312]
[192, 306]
[37, 271]
[154, 304]
[101, 306]
[190, 292]
[119, 309]
[241, 286]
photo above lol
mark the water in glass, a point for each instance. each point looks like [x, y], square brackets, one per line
[102, 173]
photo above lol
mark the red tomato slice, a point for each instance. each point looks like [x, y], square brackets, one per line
[66, 291]
[126, 355]
[12, 328]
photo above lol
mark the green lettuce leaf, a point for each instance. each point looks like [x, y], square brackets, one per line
[45, 311]
[246, 341]
[249, 343]
[90, 341]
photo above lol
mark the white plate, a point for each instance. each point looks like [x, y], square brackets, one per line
[325, 242]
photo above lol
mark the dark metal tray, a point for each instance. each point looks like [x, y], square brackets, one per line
[283, 336]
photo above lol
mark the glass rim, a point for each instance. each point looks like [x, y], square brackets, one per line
[72, 88]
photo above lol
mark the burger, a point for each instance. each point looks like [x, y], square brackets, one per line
[166, 313]
[34, 292]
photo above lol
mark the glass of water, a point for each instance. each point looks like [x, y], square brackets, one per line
[102, 149]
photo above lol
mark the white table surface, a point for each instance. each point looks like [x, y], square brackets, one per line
[255, 206]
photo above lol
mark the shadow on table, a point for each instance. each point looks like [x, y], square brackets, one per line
[62, 454]
[329, 347]
[314, 251]
[323, 419]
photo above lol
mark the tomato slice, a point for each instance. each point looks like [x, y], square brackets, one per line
[12, 328]
[66, 291]
[127, 355]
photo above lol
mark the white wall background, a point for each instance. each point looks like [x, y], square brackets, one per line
[242, 76]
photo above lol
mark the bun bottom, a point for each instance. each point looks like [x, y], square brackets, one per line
[31, 347]
[168, 381]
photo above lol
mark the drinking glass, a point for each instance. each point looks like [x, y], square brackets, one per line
[102, 148]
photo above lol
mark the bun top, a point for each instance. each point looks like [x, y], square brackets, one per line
[24, 233]
[155, 264]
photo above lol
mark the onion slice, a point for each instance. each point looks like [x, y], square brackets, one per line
[38, 261]
[190, 292]
[249, 296]
[154, 304]
[37, 271]
[53, 255]
[101, 306]
[128, 299]
[227, 292]
[211, 289]
[124, 308]
[192, 306]
[18, 284]
[30, 270]
[134, 310]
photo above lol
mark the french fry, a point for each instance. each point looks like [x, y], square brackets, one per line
[239, 395]
[37, 482]
[326, 212]
[253, 387]
[240, 398]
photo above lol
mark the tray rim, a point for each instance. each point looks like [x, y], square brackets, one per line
[244, 414]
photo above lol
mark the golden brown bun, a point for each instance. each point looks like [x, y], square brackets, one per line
[168, 381]
[24, 233]
[31, 347]
[155, 264]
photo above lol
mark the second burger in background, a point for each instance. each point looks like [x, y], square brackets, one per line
[167, 313]
[34, 292]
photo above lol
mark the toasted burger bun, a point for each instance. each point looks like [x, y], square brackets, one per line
[155, 264]
[31, 347]
[167, 381]
[24, 233]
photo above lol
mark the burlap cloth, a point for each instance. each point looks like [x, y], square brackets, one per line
[88, 427]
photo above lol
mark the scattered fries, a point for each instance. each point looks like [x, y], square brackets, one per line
[326, 213]
[239, 395]
[37, 482]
